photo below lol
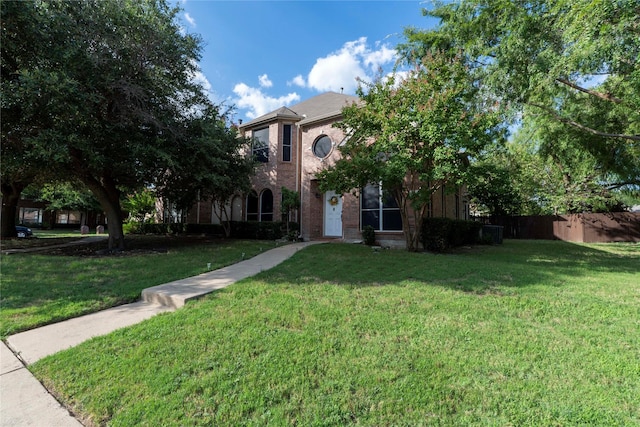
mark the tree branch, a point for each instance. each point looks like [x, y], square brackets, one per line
[605, 96]
[583, 127]
[616, 185]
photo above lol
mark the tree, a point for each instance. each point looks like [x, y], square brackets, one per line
[140, 205]
[212, 166]
[414, 136]
[108, 97]
[22, 48]
[573, 61]
[556, 174]
[290, 202]
[492, 188]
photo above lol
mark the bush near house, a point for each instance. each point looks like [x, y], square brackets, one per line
[440, 234]
[260, 230]
[239, 229]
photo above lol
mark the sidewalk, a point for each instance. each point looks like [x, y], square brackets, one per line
[25, 402]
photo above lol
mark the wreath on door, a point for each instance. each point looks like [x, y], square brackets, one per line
[333, 200]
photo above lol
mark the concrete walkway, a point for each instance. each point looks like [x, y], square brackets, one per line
[25, 402]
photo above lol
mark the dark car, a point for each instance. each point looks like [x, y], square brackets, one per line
[23, 231]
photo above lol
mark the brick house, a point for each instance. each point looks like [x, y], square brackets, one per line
[291, 145]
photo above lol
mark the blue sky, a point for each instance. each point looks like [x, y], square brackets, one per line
[261, 55]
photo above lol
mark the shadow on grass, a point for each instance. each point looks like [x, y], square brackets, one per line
[39, 289]
[476, 269]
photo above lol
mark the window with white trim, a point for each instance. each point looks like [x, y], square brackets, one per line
[286, 143]
[379, 209]
[260, 145]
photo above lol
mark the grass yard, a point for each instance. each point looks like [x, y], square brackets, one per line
[528, 333]
[36, 290]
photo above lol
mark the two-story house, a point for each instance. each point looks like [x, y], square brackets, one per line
[291, 145]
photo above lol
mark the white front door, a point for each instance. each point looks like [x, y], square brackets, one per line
[332, 214]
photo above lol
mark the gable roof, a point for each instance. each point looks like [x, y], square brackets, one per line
[323, 106]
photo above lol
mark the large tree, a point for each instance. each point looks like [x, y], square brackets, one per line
[414, 136]
[108, 97]
[213, 166]
[577, 62]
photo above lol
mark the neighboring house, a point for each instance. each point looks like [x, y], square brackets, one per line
[36, 214]
[291, 145]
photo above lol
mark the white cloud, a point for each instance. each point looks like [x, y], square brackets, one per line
[190, 19]
[342, 69]
[378, 58]
[297, 81]
[257, 102]
[264, 81]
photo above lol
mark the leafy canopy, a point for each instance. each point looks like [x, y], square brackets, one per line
[414, 136]
[577, 62]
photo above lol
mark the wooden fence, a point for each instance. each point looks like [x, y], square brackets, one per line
[587, 228]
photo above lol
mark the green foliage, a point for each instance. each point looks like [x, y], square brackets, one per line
[140, 205]
[208, 165]
[369, 235]
[492, 186]
[257, 230]
[290, 202]
[62, 195]
[544, 170]
[573, 63]
[107, 95]
[442, 234]
[414, 136]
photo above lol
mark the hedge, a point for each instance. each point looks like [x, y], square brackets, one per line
[239, 229]
[440, 234]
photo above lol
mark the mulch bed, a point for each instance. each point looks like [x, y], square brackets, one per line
[134, 245]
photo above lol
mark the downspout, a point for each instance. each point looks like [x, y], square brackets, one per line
[298, 177]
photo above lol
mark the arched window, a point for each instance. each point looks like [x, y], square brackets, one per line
[236, 209]
[266, 205]
[252, 206]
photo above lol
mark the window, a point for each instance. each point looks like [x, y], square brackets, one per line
[68, 217]
[322, 147]
[252, 206]
[260, 145]
[266, 206]
[379, 210]
[30, 216]
[286, 143]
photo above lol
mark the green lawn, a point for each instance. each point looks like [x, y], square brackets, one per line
[36, 290]
[528, 333]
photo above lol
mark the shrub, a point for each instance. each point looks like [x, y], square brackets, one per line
[369, 235]
[260, 230]
[239, 229]
[440, 234]
[209, 229]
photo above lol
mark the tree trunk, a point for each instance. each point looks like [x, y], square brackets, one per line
[108, 196]
[10, 197]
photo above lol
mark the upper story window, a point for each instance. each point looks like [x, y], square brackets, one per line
[322, 146]
[260, 145]
[286, 143]
[379, 209]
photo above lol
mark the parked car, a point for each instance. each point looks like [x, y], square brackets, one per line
[23, 231]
